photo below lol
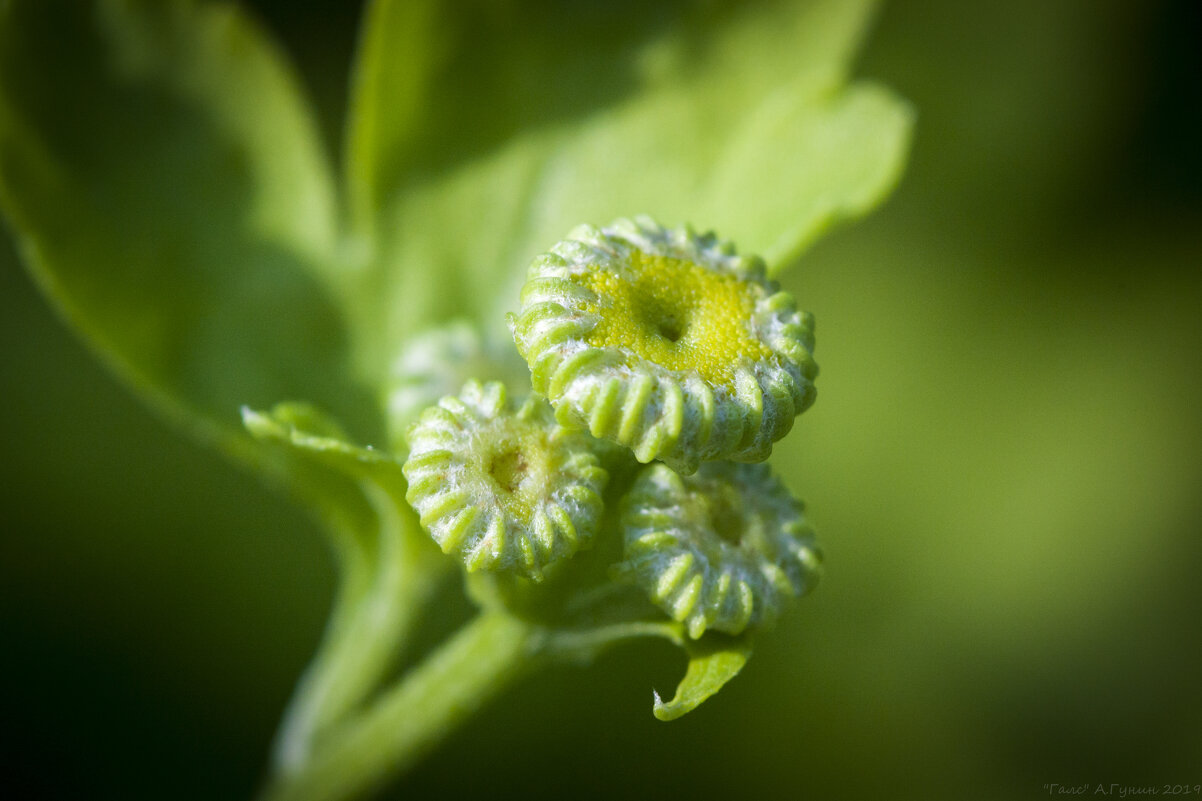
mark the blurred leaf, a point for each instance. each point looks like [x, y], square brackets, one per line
[712, 662]
[165, 183]
[391, 86]
[549, 115]
[167, 186]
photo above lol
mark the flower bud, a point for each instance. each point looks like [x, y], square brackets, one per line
[666, 342]
[722, 549]
[505, 490]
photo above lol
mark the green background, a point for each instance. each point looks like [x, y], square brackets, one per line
[1004, 466]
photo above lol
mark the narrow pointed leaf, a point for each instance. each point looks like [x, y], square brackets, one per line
[711, 665]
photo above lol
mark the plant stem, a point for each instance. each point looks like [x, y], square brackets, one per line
[374, 611]
[400, 726]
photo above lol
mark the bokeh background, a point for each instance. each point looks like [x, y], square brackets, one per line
[1005, 466]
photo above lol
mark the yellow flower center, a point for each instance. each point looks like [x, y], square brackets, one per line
[677, 314]
[517, 458]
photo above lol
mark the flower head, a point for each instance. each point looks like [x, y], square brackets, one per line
[666, 342]
[722, 549]
[506, 490]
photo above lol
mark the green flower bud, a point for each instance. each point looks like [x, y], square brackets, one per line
[505, 490]
[436, 362]
[666, 342]
[723, 549]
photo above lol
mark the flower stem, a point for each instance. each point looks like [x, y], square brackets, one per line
[405, 722]
[378, 604]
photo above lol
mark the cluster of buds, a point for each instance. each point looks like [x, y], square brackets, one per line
[678, 354]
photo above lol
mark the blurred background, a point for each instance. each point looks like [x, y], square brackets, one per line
[1004, 465]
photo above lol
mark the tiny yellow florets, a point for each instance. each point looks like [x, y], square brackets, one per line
[677, 314]
[517, 464]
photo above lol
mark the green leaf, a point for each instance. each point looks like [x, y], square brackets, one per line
[165, 182]
[390, 87]
[713, 661]
[737, 118]
[305, 430]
